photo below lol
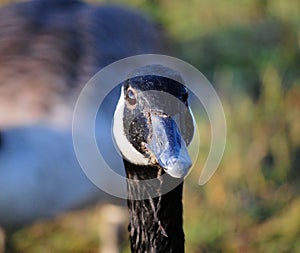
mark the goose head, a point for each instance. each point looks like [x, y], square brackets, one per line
[153, 124]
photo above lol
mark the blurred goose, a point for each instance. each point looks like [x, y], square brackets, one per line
[48, 50]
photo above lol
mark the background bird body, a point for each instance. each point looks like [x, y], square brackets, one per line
[48, 51]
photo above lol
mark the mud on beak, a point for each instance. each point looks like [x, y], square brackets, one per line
[168, 146]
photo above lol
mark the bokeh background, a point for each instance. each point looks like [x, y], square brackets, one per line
[249, 50]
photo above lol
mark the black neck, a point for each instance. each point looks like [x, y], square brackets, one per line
[155, 222]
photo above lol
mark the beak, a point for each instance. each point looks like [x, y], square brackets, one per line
[168, 146]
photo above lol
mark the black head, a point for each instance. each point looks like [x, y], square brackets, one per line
[153, 123]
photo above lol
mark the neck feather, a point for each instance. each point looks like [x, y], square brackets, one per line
[155, 222]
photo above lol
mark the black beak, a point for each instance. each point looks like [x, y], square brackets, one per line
[168, 146]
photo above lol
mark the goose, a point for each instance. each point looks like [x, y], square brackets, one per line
[49, 49]
[152, 127]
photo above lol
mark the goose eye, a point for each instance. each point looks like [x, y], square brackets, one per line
[131, 96]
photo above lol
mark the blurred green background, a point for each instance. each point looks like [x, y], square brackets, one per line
[249, 50]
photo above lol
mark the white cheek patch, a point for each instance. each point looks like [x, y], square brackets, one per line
[124, 146]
